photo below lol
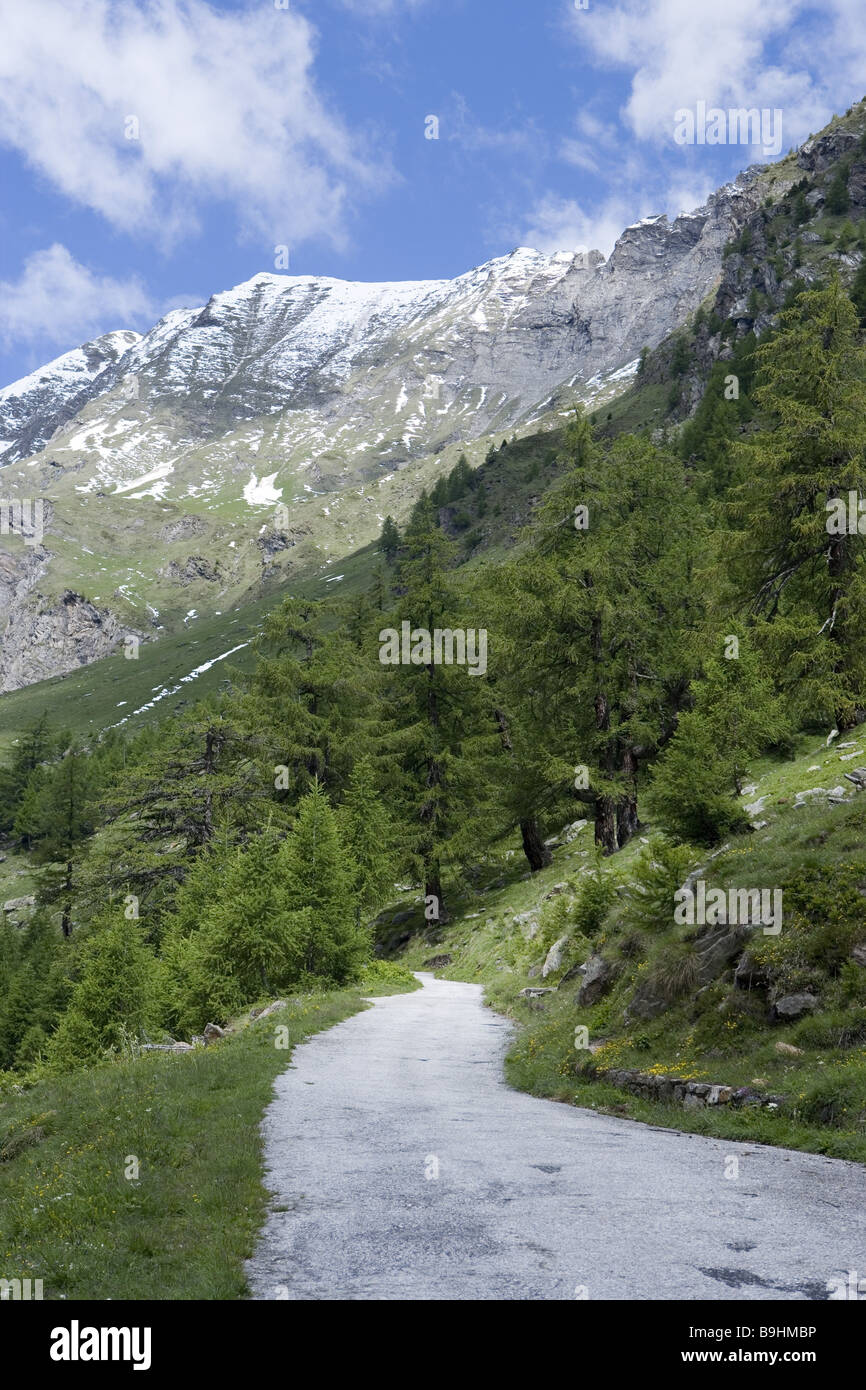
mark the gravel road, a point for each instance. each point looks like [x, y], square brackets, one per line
[403, 1167]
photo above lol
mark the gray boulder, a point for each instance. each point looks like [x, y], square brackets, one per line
[716, 947]
[598, 975]
[554, 957]
[792, 1006]
[572, 831]
[16, 908]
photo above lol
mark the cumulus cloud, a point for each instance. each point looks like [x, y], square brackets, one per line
[562, 224]
[225, 106]
[787, 55]
[56, 301]
[555, 223]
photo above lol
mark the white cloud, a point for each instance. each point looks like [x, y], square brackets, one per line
[58, 301]
[555, 223]
[561, 224]
[785, 55]
[226, 104]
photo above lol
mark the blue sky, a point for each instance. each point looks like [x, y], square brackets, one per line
[256, 124]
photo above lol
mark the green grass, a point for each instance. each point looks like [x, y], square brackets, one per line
[97, 696]
[70, 1217]
[721, 1035]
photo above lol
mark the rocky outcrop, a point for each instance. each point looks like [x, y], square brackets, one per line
[553, 960]
[43, 638]
[715, 949]
[183, 528]
[18, 910]
[190, 570]
[598, 976]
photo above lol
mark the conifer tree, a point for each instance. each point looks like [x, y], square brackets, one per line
[56, 815]
[602, 604]
[34, 747]
[801, 576]
[838, 198]
[735, 715]
[327, 942]
[432, 710]
[366, 834]
[243, 947]
[117, 995]
[390, 540]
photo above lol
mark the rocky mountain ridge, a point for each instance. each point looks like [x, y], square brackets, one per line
[274, 427]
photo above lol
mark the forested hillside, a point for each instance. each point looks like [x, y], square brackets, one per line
[615, 623]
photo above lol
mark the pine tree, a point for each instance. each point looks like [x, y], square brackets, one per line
[431, 710]
[244, 947]
[35, 991]
[56, 815]
[117, 995]
[440, 494]
[805, 581]
[461, 479]
[309, 698]
[327, 943]
[34, 747]
[366, 834]
[734, 716]
[169, 804]
[389, 541]
[858, 293]
[599, 617]
[838, 198]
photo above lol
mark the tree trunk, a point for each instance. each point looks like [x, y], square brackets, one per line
[627, 823]
[606, 824]
[534, 848]
[616, 818]
[66, 918]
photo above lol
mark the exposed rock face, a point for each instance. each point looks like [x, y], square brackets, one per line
[501, 337]
[47, 640]
[749, 974]
[323, 396]
[715, 949]
[182, 529]
[18, 910]
[192, 568]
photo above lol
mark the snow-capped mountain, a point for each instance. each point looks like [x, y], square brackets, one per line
[34, 408]
[163, 457]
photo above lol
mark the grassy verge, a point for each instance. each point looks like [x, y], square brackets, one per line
[70, 1215]
[720, 1032]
